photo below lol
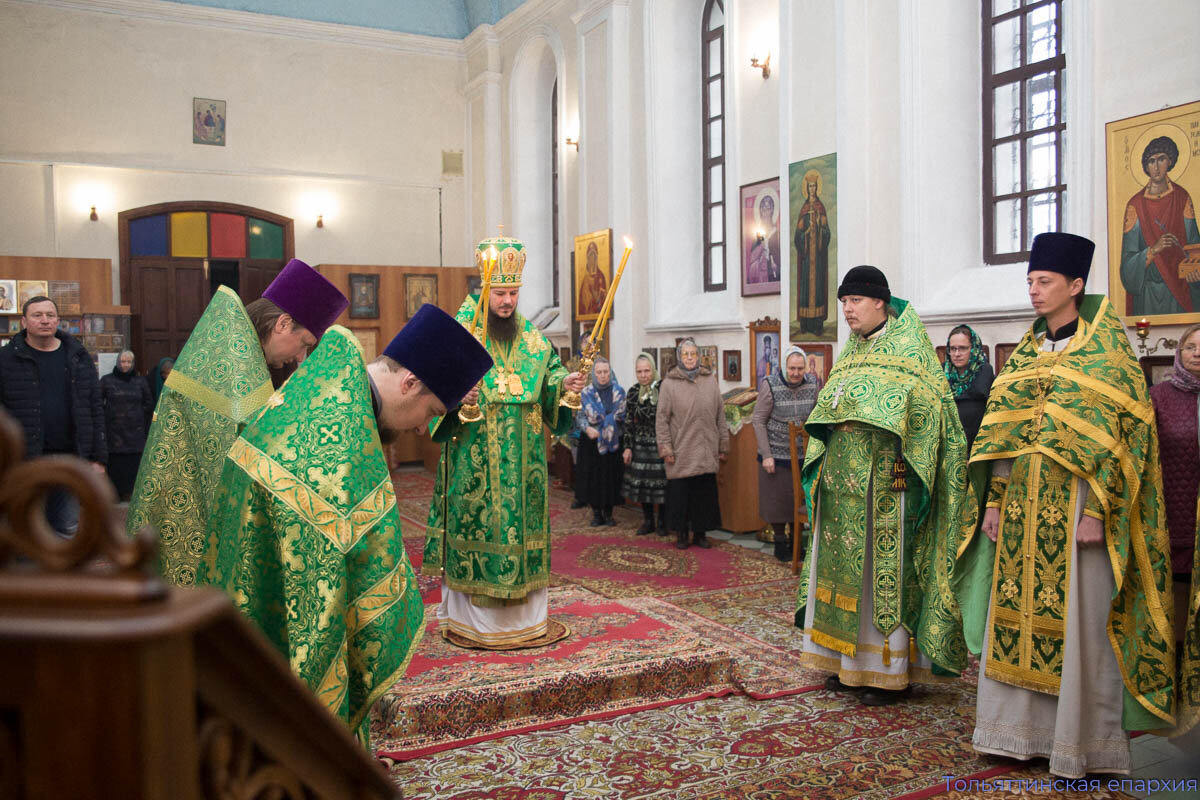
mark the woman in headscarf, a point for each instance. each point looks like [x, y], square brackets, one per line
[599, 462]
[128, 407]
[159, 376]
[645, 477]
[693, 439]
[970, 377]
[786, 395]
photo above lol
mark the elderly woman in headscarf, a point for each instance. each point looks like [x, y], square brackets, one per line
[785, 395]
[128, 407]
[645, 477]
[693, 439]
[970, 376]
[599, 461]
[158, 377]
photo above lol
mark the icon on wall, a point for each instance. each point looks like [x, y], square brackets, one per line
[208, 121]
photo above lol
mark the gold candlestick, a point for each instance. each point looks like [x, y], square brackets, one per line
[469, 412]
[587, 358]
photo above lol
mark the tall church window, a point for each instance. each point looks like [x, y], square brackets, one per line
[1023, 127]
[554, 190]
[712, 104]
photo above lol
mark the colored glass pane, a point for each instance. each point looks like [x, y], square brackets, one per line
[228, 235]
[189, 234]
[266, 239]
[148, 236]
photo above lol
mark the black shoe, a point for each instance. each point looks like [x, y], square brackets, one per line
[783, 550]
[681, 540]
[597, 520]
[647, 527]
[834, 684]
[702, 541]
[608, 518]
[884, 697]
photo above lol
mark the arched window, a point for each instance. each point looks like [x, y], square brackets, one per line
[1023, 125]
[712, 110]
[554, 190]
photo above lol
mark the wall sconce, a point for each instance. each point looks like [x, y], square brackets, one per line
[764, 65]
[93, 216]
[320, 220]
[573, 141]
[1143, 331]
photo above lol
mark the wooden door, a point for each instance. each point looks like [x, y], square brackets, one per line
[254, 276]
[169, 295]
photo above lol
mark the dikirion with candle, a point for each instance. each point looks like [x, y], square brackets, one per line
[488, 534]
[571, 399]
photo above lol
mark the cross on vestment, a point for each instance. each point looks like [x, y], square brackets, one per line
[837, 394]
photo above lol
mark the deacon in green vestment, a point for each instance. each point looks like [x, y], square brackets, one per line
[488, 534]
[1067, 595]
[304, 534]
[219, 380]
[885, 474]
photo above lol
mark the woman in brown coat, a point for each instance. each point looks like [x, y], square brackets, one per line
[692, 439]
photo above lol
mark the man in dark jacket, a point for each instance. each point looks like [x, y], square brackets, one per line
[49, 385]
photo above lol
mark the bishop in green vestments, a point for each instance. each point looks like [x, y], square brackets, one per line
[488, 535]
[1067, 595]
[885, 473]
[305, 536]
[220, 379]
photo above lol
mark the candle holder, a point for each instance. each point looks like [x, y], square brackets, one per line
[1143, 332]
[571, 399]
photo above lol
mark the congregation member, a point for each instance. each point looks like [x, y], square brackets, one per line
[488, 534]
[221, 378]
[158, 376]
[885, 472]
[970, 376]
[49, 384]
[693, 440]
[305, 536]
[599, 462]
[645, 474]
[1067, 593]
[786, 395]
[1176, 410]
[128, 406]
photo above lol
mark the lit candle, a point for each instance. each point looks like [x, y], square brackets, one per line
[1143, 327]
[606, 311]
[485, 289]
[485, 293]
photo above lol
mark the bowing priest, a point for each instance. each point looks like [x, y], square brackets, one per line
[885, 474]
[488, 535]
[304, 534]
[1067, 594]
[219, 380]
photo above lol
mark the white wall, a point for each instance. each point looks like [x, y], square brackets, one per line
[347, 123]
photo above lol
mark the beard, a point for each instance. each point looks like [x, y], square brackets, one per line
[502, 329]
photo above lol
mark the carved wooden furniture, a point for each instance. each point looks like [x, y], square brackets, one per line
[115, 685]
[797, 440]
[737, 484]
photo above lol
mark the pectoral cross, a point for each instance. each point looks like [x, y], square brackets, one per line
[837, 394]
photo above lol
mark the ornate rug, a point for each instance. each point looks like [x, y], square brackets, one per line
[817, 745]
[765, 611]
[620, 657]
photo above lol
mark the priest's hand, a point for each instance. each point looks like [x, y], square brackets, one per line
[574, 382]
[1090, 531]
[472, 396]
[991, 523]
[627, 456]
[769, 465]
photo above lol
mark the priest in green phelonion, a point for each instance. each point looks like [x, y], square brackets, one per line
[885, 474]
[305, 535]
[488, 534]
[219, 380]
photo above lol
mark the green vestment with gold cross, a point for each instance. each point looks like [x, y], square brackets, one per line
[1081, 413]
[305, 536]
[885, 427]
[488, 534]
[219, 380]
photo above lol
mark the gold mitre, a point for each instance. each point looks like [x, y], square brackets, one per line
[510, 259]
